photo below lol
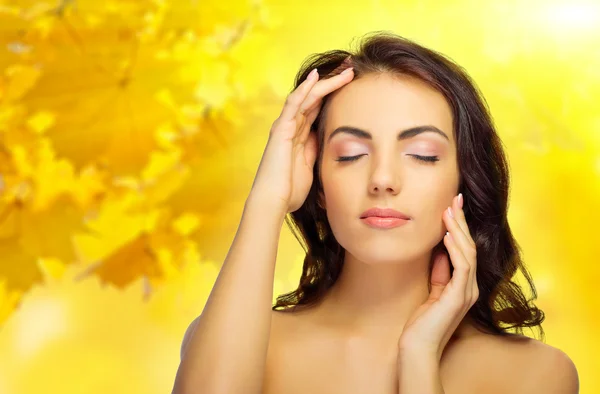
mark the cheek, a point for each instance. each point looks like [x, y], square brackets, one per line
[341, 201]
[338, 191]
[434, 193]
[430, 197]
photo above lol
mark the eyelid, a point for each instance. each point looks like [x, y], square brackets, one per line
[347, 158]
[426, 145]
[352, 150]
[418, 144]
[426, 159]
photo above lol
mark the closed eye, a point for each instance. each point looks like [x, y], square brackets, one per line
[428, 159]
[348, 158]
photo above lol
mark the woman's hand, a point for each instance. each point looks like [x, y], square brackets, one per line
[285, 173]
[429, 328]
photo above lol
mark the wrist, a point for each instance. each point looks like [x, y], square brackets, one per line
[413, 365]
[410, 354]
[265, 207]
[419, 374]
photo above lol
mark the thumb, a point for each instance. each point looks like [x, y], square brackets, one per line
[440, 275]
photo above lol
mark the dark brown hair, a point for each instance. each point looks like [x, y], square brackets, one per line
[484, 182]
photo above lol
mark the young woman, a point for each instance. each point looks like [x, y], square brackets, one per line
[385, 163]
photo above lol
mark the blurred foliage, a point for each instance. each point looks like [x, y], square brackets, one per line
[130, 131]
[84, 84]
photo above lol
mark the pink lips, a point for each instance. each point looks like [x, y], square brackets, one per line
[384, 218]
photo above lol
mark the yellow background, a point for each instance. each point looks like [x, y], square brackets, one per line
[130, 132]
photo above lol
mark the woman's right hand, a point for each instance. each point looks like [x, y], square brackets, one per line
[285, 172]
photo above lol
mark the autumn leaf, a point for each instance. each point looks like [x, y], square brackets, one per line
[111, 73]
[105, 111]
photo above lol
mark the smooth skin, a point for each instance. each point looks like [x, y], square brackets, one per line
[286, 170]
[225, 348]
[430, 327]
[351, 343]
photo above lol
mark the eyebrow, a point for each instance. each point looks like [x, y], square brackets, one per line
[403, 135]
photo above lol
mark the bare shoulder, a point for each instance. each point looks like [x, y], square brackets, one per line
[478, 362]
[544, 368]
[188, 335]
[526, 365]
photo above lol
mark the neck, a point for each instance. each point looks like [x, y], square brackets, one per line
[372, 300]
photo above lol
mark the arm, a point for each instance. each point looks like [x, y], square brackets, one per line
[188, 334]
[225, 351]
[419, 374]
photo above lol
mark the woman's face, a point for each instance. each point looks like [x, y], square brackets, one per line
[387, 175]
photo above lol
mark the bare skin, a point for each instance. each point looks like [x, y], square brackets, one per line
[306, 356]
[348, 343]
[224, 350]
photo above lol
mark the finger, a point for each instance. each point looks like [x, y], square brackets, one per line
[324, 87]
[306, 124]
[460, 238]
[459, 215]
[460, 277]
[295, 99]
[311, 106]
[462, 222]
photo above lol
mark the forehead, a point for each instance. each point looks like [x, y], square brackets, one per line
[384, 104]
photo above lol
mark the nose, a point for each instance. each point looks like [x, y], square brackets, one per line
[385, 177]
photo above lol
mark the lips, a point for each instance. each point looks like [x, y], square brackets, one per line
[384, 213]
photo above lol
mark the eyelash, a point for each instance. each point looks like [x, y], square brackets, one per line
[427, 159]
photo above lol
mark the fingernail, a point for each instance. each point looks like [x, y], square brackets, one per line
[460, 200]
[312, 74]
[450, 212]
[346, 71]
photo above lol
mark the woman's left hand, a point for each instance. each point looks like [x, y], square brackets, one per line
[432, 324]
